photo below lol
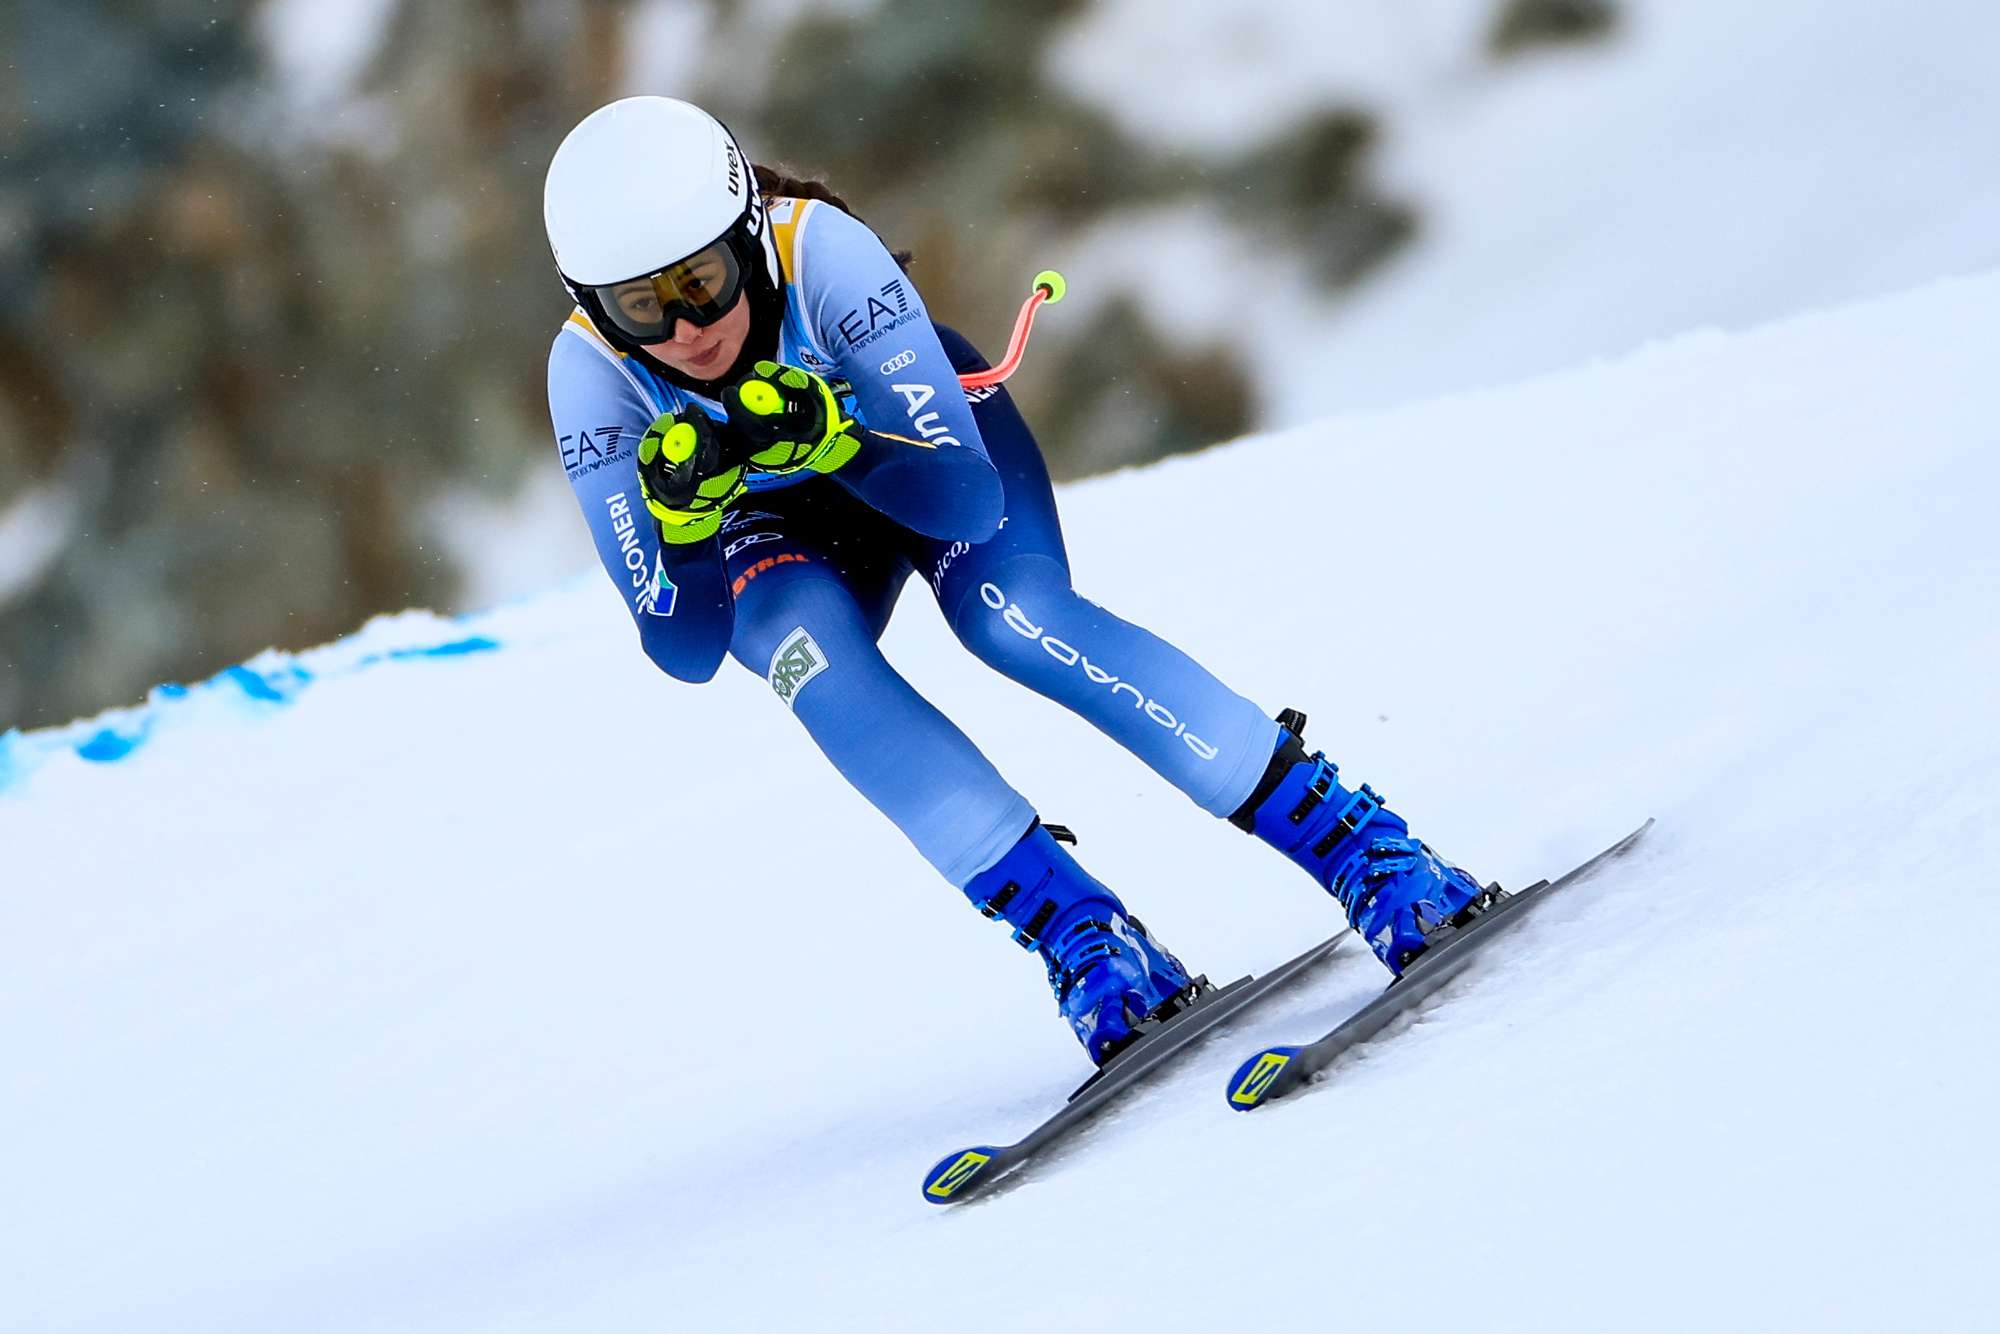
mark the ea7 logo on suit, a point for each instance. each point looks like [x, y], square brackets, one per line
[864, 324]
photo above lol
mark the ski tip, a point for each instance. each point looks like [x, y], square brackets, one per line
[1252, 1083]
[954, 1171]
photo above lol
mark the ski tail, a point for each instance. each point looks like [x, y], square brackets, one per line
[955, 1170]
[1259, 1077]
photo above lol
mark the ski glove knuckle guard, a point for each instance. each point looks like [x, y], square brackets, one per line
[687, 475]
[790, 420]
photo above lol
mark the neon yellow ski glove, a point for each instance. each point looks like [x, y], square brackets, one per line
[790, 420]
[687, 476]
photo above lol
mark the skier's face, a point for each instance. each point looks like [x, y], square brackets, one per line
[704, 354]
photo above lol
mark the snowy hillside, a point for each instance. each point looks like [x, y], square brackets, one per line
[458, 977]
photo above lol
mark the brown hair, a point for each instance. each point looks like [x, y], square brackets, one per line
[776, 183]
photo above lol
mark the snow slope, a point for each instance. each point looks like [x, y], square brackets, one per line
[470, 990]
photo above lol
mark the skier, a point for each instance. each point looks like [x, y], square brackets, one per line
[767, 436]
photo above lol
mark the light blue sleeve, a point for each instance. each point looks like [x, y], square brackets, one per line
[678, 596]
[922, 462]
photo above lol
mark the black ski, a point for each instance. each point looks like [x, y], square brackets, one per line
[961, 1175]
[1276, 1071]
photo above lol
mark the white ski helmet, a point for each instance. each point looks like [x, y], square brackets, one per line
[653, 216]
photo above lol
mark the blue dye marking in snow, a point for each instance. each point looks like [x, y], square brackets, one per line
[280, 685]
[19, 752]
[254, 684]
[456, 648]
[111, 744]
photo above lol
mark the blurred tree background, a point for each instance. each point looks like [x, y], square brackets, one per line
[258, 321]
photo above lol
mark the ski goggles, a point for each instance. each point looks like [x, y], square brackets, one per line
[700, 289]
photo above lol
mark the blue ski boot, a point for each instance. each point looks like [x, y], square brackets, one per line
[1108, 975]
[1397, 893]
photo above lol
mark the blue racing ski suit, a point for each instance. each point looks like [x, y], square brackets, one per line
[799, 584]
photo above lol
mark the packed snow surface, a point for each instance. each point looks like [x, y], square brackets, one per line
[432, 989]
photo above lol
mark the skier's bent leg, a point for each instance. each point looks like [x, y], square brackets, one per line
[1010, 601]
[803, 632]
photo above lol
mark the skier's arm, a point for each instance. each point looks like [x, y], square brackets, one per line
[921, 460]
[677, 595]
